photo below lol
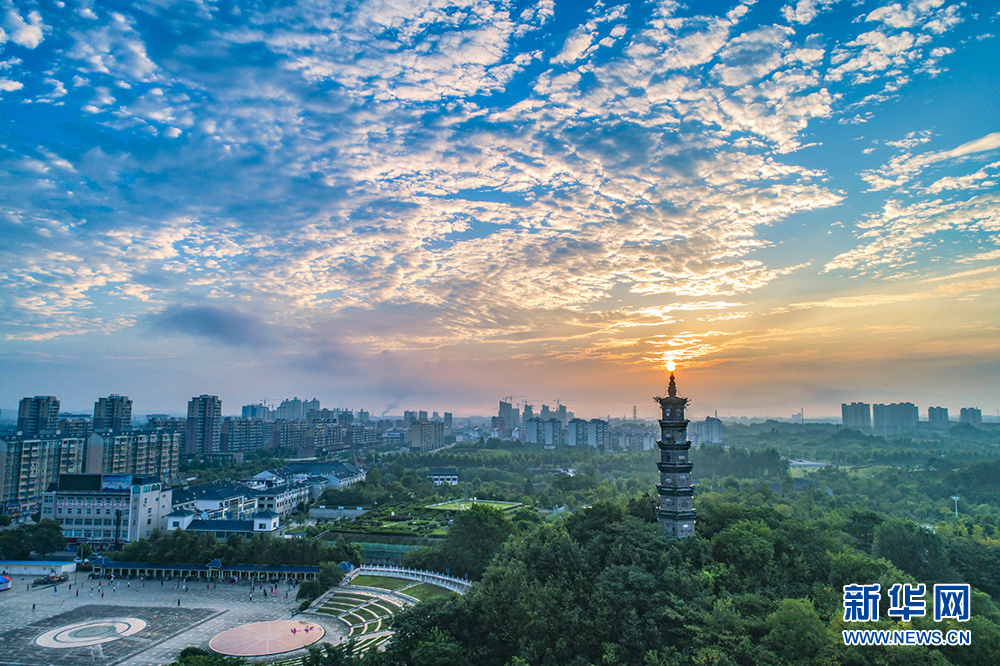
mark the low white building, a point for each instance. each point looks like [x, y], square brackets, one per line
[104, 509]
[443, 475]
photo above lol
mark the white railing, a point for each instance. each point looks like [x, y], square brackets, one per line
[454, 584]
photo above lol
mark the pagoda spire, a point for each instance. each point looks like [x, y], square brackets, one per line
[675, 511]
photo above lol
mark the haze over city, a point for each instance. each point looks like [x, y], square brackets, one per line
[431, 205]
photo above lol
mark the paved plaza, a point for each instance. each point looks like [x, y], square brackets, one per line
[134, 623]
[267, 638]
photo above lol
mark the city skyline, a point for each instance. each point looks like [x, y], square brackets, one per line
[430, 205]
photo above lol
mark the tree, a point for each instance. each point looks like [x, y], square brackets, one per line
[83, 551]
[914, 549]
[14, 544]
[438, 650]
[473, 540]
[795, 631]
[45, 537]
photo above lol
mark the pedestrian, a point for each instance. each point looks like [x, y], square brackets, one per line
[251, 596]
[32, 606]
[102, 594]
[128, 584]
[77, 591]
[178, 603]
[55, 590]
[91, 594]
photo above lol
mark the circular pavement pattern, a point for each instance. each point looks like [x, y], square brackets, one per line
[266, 638]
[91, 632]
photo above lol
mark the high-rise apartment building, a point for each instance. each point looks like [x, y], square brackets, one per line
[204, 426]
[38, 415]
[937, 414]
[426, 435]
[244, 434]
[971, 415]
[708, 431]
[597, 433]
[359, 436]
[142, 452]
[857, 415]
[328, 435]
[289, 433]
[113, 413]
[506, 414]
[448, 420]
[582, 432]
[29, 464]
[289, 409]
[257, 411]
[895, 416]
[77, 426]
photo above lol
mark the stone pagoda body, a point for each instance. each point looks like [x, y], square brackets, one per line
[675, 512]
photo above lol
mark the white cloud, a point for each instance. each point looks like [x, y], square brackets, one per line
[903, 168]
[893, 236]
[25, 33]
[576, 45]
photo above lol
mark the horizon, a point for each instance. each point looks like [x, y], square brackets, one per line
[409, 204]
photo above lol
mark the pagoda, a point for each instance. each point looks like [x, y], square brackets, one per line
[675, 511]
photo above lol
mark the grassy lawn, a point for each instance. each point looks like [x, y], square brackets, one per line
[426, 591]
[382, 582]
[801, 472]
[348, 596]
[463, 505]
[365, 614]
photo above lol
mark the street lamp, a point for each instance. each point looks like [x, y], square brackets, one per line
[955, 497]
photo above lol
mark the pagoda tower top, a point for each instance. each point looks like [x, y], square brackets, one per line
[675, 511]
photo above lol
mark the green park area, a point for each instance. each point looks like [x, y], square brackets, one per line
[427, 591]
[465, 505]
[383, 582]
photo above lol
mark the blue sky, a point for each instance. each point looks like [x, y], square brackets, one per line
[434, 204]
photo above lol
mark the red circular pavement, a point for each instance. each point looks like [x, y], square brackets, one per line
[266, 638]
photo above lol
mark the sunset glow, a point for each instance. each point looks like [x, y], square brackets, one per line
[433, 205]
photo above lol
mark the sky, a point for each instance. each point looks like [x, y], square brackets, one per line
[420, 204]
